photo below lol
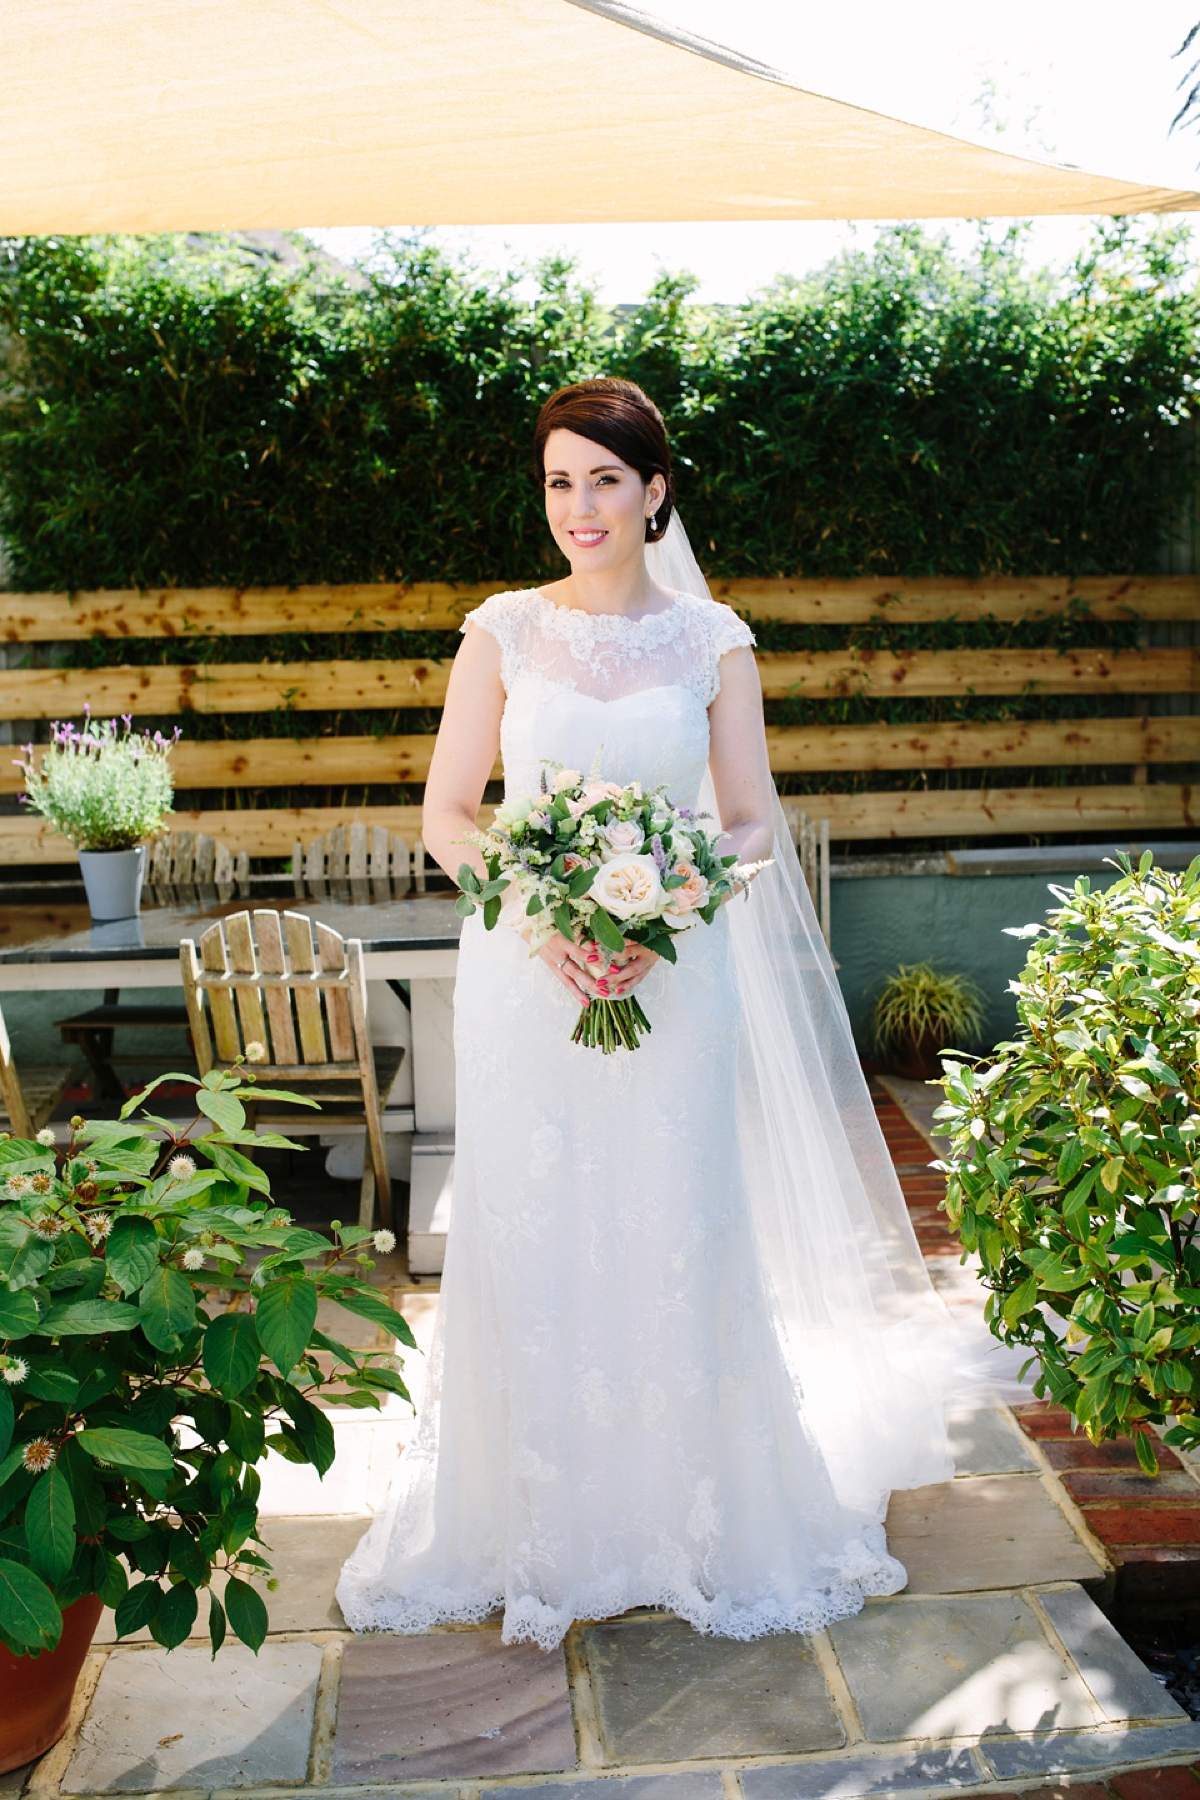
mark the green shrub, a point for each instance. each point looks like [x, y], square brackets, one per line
[1076, 1157]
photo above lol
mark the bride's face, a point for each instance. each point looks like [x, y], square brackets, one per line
[596, 504]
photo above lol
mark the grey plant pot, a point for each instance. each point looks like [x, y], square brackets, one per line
[113, 879]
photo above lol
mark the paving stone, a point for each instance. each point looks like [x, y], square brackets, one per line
[990, 1531]
[13, 1780]
[307, 1555]
[1167, 1524]
[844, 1778]
[1116, 1453]
[175, 1719]
[664, 1693]
[1124, 1484]
[452, 1704]
[1119, 1681]
[1012, 1759]
[984, 1441]
[690, 1785]
[956, 1667]
[1157, 1784]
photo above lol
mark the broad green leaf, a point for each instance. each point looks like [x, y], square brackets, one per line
[130, 1451]
[287, 1444]
[112, 1582]
[131, 1251]
[231, 1352]
[24, 1258]
[50, 1524]
[247, 1434]
[1144, 1446]
[221, 1107]
[232, 1162]
[216, 1623]
[139, 1607]
[368, 1305]
[167, 1303]
[54, 1384]
[175, 1616]
[29, 1613]
[285, 1315]
[18, 1315]
[1021, 1301]
[247, 1613]
[88, 1318]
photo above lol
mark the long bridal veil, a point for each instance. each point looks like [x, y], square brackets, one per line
[869, 1344]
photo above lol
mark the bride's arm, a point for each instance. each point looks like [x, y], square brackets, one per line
[465, 753]
[738, 759]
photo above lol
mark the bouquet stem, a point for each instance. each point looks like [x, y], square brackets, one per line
[611, 1025]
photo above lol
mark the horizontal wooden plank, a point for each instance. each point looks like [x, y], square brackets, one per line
[353, 762]
[288, 762]
[991, 812]
[1019, 744]
[345, 686]
[959, 812]
[269, 831]
[427, 606]
[221, 688]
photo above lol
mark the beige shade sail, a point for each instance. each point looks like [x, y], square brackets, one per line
[162, 115]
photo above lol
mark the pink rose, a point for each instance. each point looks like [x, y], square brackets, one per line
[594, 791]
[620, 837]
[682, 902]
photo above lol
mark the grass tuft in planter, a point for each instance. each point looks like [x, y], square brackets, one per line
[1074, 1160]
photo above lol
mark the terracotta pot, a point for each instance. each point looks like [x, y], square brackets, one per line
[38, 1690]
[917, 1058]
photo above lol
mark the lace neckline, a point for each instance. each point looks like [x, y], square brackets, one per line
[574, 623]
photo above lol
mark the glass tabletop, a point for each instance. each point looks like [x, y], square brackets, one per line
[360, 909]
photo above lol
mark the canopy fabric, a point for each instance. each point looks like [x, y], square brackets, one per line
[166, 115]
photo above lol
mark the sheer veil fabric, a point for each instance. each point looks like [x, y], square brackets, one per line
[867, 1339]
[687, 1343]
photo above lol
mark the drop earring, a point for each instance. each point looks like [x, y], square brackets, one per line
[654, 521]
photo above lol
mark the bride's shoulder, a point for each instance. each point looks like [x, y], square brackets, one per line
[502, 613]
[718, 623]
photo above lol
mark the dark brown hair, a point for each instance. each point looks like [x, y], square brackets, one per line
[618, 415]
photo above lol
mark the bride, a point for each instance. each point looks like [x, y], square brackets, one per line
[686, 1342]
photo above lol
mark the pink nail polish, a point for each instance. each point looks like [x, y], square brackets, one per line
[602, 987]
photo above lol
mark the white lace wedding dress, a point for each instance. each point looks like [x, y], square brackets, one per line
[610, 1419]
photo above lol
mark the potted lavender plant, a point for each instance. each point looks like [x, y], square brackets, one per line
[105, 787]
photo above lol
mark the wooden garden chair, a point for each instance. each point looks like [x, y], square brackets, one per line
[362, 861]
[28, 1101]
[307, 1012]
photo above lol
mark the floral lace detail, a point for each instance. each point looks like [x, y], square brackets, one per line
[607, 655]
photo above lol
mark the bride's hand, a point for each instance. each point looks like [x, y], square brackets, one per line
[580, 968]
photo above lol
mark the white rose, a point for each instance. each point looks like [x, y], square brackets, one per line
[512, 812]
[628, 887]
[620, 837]
[567, 778]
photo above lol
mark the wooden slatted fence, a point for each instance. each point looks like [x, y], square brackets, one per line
[362, 685]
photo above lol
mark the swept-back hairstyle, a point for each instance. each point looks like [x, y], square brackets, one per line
[618, 415]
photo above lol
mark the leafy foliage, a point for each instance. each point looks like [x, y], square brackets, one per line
[1075, 1163]
[104, 788]
[157, 1316]
[198, 418]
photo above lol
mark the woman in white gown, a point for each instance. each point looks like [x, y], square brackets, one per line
[686, 1342]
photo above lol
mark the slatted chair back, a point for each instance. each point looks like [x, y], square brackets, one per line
[190, 865]
[296, 1015]
[360, 861]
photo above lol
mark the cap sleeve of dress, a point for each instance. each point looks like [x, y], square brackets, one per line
[502, 616]
[728, 631]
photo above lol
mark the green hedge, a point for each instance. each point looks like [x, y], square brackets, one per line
[175, 416]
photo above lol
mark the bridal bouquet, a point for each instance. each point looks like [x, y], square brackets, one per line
[604, 864]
